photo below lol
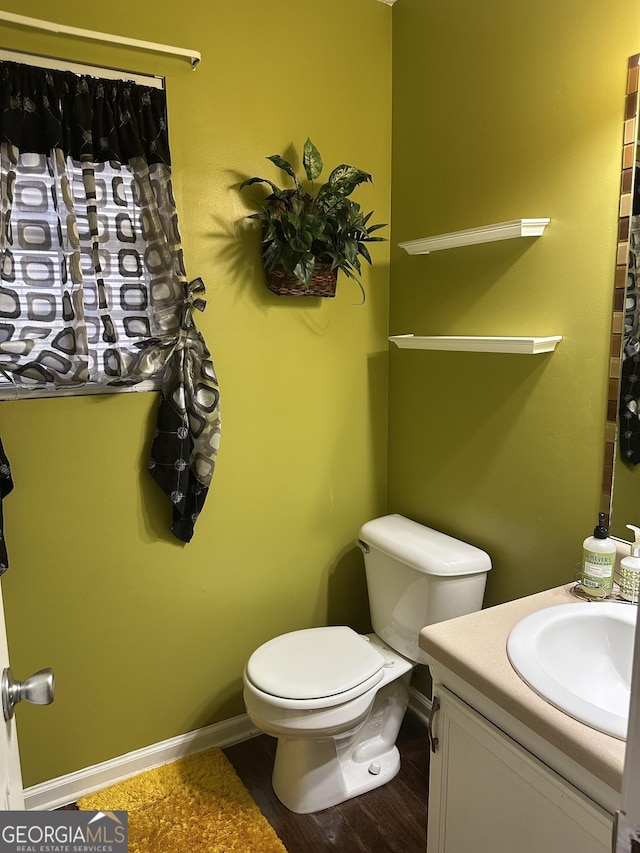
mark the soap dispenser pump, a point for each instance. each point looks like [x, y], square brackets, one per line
[630, 569]
[598, 562]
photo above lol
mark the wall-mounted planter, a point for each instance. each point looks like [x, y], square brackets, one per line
[472, 236]
[322, 282]
[469, 343]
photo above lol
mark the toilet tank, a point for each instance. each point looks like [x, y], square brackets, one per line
[417, 576]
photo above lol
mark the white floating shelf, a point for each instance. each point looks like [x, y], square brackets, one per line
[484, 234]
[466, 343]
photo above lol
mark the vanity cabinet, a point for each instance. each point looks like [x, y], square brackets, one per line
[488, 794]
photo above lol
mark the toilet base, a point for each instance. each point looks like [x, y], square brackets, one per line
[311, 774]
[319, 786]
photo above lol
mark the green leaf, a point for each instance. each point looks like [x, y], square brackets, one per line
[311, 160]
[276, 190]
[271, 257]
[297, 205]
[250, 181]
[304, 269]
[300, 244]
[328, 200]
[375, 228]
[289, 259]
[351, 250]
[281, 163]
[315, 225]
[269, 233]
[344, 179]
[289, 228]
[294, 219]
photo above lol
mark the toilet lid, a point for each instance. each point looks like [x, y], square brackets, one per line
[314, 663]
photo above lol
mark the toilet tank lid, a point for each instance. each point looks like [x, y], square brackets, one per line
[422, 548]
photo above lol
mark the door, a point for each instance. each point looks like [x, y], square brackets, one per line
[627, 832]
[11, 797]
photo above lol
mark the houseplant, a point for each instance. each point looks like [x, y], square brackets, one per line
[308, 236]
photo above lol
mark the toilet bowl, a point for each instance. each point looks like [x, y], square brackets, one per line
[335, 699]
[341, 742]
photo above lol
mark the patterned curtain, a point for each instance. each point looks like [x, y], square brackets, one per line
[92, 281]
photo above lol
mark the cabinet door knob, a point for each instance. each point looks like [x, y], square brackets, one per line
[433, 740]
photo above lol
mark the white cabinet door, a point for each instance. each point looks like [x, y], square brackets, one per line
[488, 794]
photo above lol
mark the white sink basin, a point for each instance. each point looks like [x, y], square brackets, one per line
[578, 657]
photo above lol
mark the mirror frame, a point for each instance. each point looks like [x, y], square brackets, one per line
[629, 143]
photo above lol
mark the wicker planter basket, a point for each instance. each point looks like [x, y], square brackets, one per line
[322, 283]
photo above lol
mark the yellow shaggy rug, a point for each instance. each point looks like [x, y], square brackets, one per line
[194, 805]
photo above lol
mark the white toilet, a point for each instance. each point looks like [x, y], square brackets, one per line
[335, 699]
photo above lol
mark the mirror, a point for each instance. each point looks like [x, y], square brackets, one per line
[622, 437]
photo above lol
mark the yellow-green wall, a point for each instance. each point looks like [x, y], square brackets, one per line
[506, 110]
[147, 637]
[499, 112]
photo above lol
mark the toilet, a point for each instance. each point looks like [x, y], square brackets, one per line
[335, 699]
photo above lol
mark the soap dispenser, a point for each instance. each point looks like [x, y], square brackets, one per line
[598, 562]
[630, 569]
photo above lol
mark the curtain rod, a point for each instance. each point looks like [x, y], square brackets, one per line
[193, 55]
[93, 70]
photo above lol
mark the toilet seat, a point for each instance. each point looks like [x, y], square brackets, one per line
[316, 667]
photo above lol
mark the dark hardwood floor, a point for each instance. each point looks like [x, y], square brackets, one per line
[390, 819]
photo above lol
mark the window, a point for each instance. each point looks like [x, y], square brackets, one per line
[48, 290]
[93, 290]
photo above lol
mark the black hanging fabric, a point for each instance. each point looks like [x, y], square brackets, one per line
[6, 486]
[185, 445]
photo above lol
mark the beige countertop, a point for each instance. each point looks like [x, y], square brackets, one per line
[473, 647]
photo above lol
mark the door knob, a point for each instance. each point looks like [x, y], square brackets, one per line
[38, 688]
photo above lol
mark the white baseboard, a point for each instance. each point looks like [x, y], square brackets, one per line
[67, 789]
